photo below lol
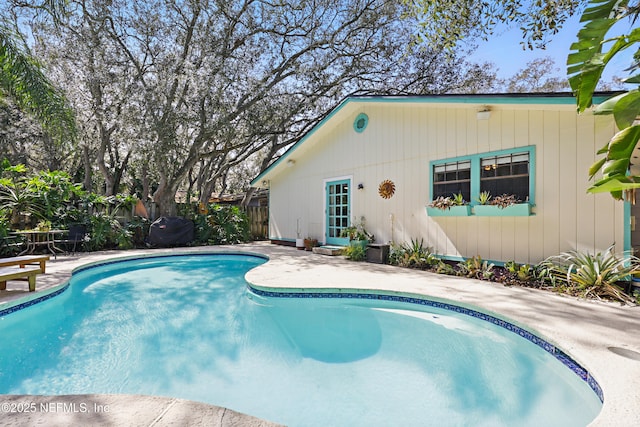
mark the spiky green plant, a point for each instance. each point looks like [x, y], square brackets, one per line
[458, 199]
[484, 198]
[593, 276]
[417, 255]
[476, 268]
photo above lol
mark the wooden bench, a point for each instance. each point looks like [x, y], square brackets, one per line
[25, 260]
[19, 272]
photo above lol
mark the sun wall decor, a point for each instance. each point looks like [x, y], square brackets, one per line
[386, 189]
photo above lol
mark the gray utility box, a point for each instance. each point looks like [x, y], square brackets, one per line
[377, 253]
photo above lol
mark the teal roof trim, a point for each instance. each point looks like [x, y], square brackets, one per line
[503, 99]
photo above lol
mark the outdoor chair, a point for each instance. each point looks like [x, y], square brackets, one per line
[74, 238]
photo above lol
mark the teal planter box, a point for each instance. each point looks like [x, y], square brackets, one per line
[519, 209]
[452, 211]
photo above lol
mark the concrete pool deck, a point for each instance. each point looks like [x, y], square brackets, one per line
[603, 337]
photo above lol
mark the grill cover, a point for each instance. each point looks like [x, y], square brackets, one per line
[171, 231]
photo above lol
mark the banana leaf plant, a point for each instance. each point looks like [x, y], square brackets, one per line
[585, 64]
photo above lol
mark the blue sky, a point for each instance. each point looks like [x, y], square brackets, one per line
[506, 52]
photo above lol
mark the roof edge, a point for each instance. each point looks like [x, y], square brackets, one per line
[538, 98]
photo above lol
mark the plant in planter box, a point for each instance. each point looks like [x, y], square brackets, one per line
[449, 206]
[504, 205]
[310, 243]
[458, 200]
[484, 198]
[357, 232]
[504, 201]
[442, 203]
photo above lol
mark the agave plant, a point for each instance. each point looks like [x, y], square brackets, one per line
[476, 268]
[458, 199]
[416, 255]
[594, 276]
[484, 198]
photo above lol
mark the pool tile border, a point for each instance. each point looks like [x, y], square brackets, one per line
[34, 301]
[550, 348]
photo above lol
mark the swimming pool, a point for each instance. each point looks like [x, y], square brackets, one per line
[186, 326]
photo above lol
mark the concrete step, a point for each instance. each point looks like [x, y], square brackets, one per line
[328, 250]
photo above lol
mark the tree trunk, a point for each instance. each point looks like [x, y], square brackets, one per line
[247, 197]
[86, 159]
[165, 198]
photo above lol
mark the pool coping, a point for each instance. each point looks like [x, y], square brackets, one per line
[585, 330]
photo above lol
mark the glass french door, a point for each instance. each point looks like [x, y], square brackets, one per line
[338, 210]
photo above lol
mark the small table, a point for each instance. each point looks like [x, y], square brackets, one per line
[37, 238]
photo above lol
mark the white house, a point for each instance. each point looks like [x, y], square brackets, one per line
[532, 145]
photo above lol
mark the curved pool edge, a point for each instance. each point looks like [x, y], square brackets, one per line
[440, 303]
[51, 292]
[586, 328]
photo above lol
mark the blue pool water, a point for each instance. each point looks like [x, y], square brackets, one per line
[187, 327]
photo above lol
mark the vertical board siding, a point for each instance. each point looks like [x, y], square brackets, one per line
[399, 143]
[552, 186]
[567, 181]
[586, 148]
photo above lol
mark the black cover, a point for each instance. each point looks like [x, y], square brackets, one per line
[170, 231]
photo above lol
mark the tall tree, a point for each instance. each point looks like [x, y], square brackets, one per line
[537, 76]
[22, 80]
[188, 90]
[447, 22]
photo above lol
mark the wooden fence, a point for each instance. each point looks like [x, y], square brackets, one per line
[258, 221]
[258, 218]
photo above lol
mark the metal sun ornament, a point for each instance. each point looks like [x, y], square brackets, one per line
[386, 189]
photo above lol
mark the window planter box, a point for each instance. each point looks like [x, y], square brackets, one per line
[519, 209]
[452, 211]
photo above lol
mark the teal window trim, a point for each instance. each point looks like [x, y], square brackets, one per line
[475, 170]
[336, 240]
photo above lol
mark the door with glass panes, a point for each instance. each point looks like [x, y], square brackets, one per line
[338, 211]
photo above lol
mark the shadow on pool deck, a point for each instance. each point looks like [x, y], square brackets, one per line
[586, 330]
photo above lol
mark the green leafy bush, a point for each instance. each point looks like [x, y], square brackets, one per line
[356, 251]
[222, 224]
[138, 228]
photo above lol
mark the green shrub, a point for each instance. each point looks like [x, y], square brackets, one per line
[592, 276]
[222, 224]
[412, 255]
[476, 268]
[356, 251]
[102, 233]
[442, 267]
[138, 228]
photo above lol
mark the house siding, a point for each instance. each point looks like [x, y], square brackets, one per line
[399, 143]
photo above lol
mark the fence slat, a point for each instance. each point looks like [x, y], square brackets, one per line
[258, 221]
